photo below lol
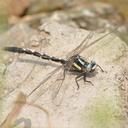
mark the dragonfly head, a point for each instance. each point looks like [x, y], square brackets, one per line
[91, 66]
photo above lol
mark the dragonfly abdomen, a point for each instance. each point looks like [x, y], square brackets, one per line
[34, 53]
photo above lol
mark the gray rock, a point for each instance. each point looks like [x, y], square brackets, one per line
[96, 106]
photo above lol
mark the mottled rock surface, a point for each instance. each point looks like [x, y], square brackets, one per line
[101, 105]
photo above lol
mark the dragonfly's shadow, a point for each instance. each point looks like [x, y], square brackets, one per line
[90, 75]
[38, 62]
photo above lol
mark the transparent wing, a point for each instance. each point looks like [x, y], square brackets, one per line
[77, 50]
[86, 43]
[43, 86]
[59, 88]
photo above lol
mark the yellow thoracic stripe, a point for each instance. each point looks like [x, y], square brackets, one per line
[77, 66]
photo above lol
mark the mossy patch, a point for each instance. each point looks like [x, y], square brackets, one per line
[3, 17]
[104, 113]
[17, 126]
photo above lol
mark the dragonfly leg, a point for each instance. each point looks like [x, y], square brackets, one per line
[100, 68]
[79, 77]
[87, 80]
[64, 74]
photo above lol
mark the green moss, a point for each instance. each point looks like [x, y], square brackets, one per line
[3, 18]
[17, 127]
[104, 113]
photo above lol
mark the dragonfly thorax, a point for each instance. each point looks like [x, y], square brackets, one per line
[81, 65]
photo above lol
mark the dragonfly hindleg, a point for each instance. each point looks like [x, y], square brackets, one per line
[87, 80]
[79, 77]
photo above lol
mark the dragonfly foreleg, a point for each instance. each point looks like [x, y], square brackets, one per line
[100, 68]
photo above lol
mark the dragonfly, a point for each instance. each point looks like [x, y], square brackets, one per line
[74, 63]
